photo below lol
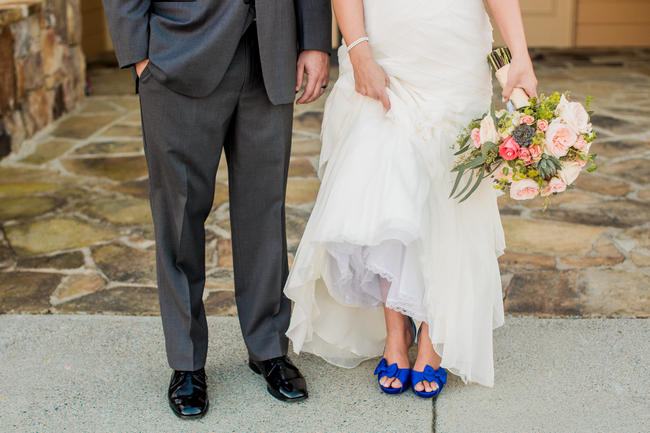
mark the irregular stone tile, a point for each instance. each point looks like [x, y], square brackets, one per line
[615, 125]
[111, 81]
[55, 234]
[640, 235]
[633, 170]
[547, 237]
[617, 148]
[26, 292]
[120, 300]
[223, 279]
[71, 260]
[221, 303]
[95, 105]
[546, 293]
[613, 292]
[592, 261]
[136, 188]
[21, 174]
[6, 256]
[110, 147]
[296, 222]
[309, 147]
[308, 121]
[26, 207]
[76, 285]
[48, 151]
[133, 117]
[115, 168]
[123, 211]
[602, 185]
[301, 168]
[126, 265]
[82, 127]
[26, 188]
[614, 213]
[123, 131]
[127, 102]
[302, 191]
[640, 258]
[515, 262]
[224, 247]
[220, 195]
[645, 194]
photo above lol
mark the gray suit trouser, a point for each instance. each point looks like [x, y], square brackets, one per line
[183, 139]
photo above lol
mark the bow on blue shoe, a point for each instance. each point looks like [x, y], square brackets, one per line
[401, 374]
[438, 376]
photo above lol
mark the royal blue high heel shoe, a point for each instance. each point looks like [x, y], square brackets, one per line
[438, 376]
[401, 374]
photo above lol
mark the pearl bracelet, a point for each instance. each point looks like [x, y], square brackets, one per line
[357, 42]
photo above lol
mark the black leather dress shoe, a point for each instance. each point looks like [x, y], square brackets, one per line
[188, 394]
[283, 379]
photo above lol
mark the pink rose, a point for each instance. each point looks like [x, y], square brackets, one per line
[582, 145]
[535, 151]
[525, 189]
[542, 125]
[476, 137]
[580, 162]
[559, 138]
[524, 155]
[557, 185]
[509, 149]
[527, 119]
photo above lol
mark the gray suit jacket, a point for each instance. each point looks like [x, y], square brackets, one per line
[191, 43]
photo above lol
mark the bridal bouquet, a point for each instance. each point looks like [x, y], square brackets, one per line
[534, 149]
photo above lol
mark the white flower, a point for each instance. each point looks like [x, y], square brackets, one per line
[569, 172]
[488, 131]
[574, 115]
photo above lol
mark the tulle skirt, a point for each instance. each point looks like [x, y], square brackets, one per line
[383, 210]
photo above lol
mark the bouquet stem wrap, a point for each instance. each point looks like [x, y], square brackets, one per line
[518, 96]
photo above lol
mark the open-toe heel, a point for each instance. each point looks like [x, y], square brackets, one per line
[429, 374]
[393, 371]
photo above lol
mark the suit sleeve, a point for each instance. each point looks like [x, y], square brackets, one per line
[314, 25]
[128, 23]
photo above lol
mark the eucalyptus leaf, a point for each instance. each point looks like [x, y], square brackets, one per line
[469, 183]
[476, 184]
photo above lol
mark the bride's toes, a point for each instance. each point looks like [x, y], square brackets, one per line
[419, 386]
[430, 386]
[396, 384]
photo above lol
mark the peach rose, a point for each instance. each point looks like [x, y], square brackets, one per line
[580, 162]
[542, 125]
[557, 185]
[476, 137]
[569, 172]
[559, 138]
[574, 115]
[527, 119]
[545, 190]
[525, 189]
[488, 131]
[509, 149]
[524, 155]
[582, 145]
[535, 151]
[498, 173]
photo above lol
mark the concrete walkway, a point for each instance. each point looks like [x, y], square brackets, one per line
[108, 374]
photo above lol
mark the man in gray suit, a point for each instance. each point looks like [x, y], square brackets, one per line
[216, 74]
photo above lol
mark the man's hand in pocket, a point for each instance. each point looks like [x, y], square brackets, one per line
[139, 67]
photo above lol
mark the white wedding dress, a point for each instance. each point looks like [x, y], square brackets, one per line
[383, 209]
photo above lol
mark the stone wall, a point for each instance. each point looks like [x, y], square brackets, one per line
[42, 66]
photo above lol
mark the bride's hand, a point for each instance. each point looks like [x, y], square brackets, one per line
[521, 75]
[369, 78]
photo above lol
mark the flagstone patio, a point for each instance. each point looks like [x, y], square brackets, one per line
[76, 233]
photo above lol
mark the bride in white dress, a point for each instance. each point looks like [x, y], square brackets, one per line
[385, 242]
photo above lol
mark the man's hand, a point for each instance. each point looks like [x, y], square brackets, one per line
[316, 65]
[139, 67]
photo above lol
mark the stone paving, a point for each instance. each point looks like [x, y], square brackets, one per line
[77, 235]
